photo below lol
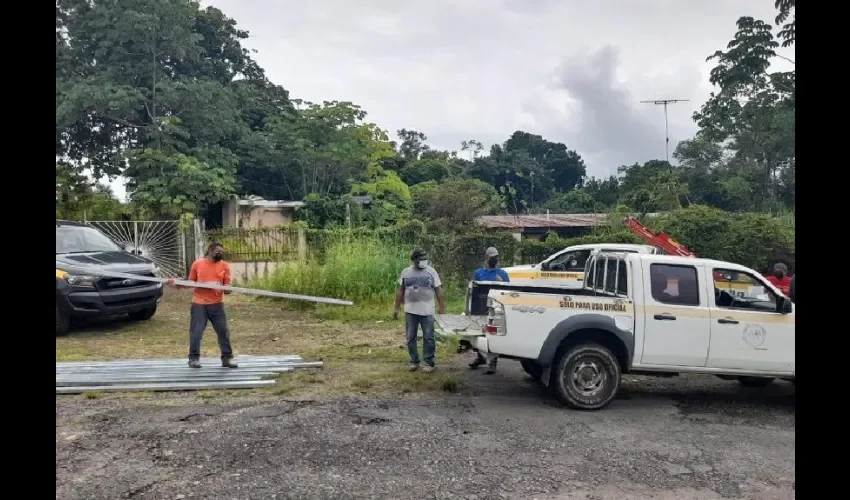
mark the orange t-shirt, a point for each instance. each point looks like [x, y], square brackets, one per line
[206, 271]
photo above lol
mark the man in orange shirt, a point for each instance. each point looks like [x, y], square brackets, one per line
[208, 305]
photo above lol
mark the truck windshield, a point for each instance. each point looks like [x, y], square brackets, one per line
[80, 239]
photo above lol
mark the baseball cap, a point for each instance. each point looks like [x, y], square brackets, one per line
[419, 254]
[491, 252]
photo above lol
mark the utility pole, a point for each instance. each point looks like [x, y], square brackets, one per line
[665, 102]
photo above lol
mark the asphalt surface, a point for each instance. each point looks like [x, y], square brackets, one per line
[501, 437]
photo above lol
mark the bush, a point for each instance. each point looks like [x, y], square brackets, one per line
[753, 240]
[357, 269]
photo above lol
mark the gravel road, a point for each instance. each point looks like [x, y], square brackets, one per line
[681, 438]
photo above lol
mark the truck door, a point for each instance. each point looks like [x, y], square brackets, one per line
[748, 332]
[677, 330]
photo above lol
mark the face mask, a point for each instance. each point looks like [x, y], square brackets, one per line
[493, 261]
[422, 264]
[217, 257]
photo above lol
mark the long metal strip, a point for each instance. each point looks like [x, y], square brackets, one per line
[192, 386]
[173, 373]
[181, 369]
[213, 286]
[243, 358]
[163, 380]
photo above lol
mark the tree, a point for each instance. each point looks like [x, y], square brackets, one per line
[753, 111]
[78, 198]
[454, 203]
[412, 144]
[424, 170]
[564, 167]
[322, 148]
[389, 197]
[654, 186]
[788, 33]
[153, 82]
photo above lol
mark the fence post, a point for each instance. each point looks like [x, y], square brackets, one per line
[136, 237]
[302, 244]
[199, 238]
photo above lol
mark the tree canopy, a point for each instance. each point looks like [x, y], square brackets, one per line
[163, 93]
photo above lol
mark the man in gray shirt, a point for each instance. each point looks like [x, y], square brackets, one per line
[418, 285]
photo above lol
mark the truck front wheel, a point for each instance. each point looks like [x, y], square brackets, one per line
[587, 377]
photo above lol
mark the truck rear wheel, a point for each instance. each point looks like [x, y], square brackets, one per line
[587, 377]
[532, 368]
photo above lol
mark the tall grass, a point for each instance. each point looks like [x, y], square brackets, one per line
[354, 269]
[363, 270]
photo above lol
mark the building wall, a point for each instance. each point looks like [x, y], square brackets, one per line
[266, 217]
[252, 217]
[243, 272]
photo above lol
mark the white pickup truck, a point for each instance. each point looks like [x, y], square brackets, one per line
[566, 267]
[636, 313]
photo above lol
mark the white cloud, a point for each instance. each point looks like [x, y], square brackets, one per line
[571, 70]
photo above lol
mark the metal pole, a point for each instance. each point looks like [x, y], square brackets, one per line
[666, 135]
[665, 102]
[212, 286]
[136, 237]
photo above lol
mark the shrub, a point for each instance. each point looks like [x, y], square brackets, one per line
[354, 268]
[750, 239]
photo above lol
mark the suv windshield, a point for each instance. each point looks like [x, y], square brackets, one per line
[81, 239]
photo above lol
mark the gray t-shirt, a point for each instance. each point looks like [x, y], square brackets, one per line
[419, 285]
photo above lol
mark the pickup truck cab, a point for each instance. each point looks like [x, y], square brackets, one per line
[566, 268]
[80, 295]
[635, 313]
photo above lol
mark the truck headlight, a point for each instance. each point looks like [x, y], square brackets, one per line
[80, 280]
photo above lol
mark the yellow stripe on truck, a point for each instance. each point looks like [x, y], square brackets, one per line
[623, 306]
[721, 284]
[60, 274]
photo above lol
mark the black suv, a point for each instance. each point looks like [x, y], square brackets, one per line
[80, 246]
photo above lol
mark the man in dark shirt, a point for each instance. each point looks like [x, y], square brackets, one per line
[489, 272]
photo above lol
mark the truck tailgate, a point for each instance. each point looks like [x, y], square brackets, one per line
[459, 324]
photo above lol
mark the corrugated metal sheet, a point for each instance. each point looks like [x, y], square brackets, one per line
[173, 374]
[541, 221]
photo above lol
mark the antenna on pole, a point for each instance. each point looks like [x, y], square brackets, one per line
[665, 102]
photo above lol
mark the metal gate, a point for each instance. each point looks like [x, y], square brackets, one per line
[162, 241]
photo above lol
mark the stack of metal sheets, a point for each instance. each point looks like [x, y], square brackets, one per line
[173, 374]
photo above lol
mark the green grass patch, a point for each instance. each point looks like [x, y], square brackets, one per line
[365, 271]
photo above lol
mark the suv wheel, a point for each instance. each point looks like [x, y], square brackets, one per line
[586, 377]
[63, 322]
[143, 315]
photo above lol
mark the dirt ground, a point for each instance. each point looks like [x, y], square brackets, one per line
[499, 437]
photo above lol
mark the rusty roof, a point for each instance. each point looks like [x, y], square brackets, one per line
[541, 221]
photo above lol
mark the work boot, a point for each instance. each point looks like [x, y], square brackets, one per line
[478, 362]
[491, 368]
[194, 363]
[412, 367]
[228, 363]
[427, 369]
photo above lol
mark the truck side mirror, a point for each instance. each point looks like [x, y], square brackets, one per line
[544, 265]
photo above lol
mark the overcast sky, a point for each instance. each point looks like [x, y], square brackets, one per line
[573, 71]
